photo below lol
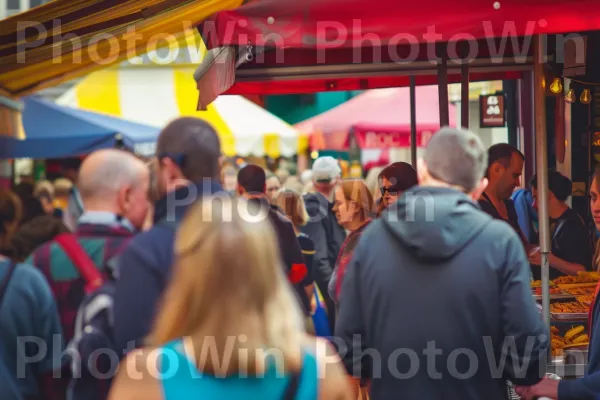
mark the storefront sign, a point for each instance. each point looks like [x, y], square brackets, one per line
[491, 111]
[390, 139]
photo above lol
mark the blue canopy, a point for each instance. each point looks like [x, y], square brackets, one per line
[54, 131]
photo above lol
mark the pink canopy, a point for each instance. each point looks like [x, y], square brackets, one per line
[379, 119]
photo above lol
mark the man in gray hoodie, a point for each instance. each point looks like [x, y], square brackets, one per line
[436, 303]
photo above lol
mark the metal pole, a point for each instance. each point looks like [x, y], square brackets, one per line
[464, 95]
[542, 169]
[413, 122]
[443, 88]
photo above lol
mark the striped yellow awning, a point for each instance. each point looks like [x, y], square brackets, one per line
[102, 28]
[155, 95]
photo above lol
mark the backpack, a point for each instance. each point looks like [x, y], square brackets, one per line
[94, 357]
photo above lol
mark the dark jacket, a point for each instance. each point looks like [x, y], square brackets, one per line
[436, 286]
[145, 268]
[587, 387]
[289, 247]
[327, 235]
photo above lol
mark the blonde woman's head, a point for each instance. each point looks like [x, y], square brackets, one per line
[291, 203]
[229, 285]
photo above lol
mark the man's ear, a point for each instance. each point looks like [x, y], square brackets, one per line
[239, 189]
[478, 191]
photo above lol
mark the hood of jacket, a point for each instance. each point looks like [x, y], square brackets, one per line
[434, 223]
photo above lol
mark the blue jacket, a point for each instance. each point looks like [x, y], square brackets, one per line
[145, 268]
[436, 294]
[528, 217]
[587, 387]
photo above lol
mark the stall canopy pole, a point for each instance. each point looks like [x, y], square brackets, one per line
[443, 88]
[413, 122]
[542, 169]
[464, 95]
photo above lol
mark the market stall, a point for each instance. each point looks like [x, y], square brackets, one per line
[244, 127]
[49, 130]
[347, 61]
[379, 120]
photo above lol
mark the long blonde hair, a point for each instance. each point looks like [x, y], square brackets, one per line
[292, 205]
[229, 288]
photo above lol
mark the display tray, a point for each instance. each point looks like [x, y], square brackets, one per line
[564, 316]
[560, 296]
[569, 316]
[576, 285]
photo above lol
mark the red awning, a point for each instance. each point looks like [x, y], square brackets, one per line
[285, 46]
[378, 118]
[352, 23]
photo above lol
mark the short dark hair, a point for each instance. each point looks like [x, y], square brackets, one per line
[501, 153]
[252, 179]
[402, 175]
[558, 184]
[193, 144]
[456, 157]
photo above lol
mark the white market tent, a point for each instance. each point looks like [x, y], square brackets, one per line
[156, 95]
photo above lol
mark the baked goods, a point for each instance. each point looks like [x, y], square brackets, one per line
[569, 307]
[581, 291]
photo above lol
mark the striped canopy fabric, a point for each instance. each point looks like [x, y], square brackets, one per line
[157, 95]
[36, 48]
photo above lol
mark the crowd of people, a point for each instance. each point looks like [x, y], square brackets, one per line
[143, 277]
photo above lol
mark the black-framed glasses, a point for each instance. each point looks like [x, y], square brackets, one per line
[393, 190]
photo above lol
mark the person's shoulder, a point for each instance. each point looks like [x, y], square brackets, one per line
[26, 276]
[153, 246]
[499, 233]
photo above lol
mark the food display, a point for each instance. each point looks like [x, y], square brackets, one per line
[586, 299]
[574, 336]
[553, 290]
[538, 284]
[581, 277]
[581, 291]
[569, 307]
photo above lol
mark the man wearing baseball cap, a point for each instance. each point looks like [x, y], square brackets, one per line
[323, 227]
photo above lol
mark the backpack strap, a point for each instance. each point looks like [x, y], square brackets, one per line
[292, 388]
[84, 264]
[6, 280]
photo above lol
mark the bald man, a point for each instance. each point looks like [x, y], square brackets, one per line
[113, 185]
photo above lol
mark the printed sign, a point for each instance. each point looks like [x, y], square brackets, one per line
[491, 111]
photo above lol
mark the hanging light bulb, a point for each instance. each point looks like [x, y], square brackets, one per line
[570, 96]
[556, 87]
[586, 96]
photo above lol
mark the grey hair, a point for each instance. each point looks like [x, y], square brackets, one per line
[117, 169]
[456, 157]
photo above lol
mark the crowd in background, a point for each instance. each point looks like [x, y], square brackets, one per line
[158, 261]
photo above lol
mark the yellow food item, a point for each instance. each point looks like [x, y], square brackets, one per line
[586, 299]
[581, 339]
[581, 278]
[554, 330]
[538, 283]
[581, 291]
[571, 333]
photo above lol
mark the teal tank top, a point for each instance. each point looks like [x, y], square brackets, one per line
[181, 380]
